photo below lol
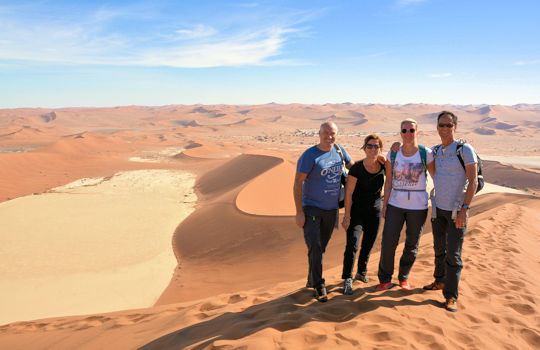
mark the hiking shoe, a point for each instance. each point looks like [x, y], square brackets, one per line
[347, 287]
[434, 286]
[384, 286]
[451, 305]
[405, 285]
[320, 294]
[361, 277]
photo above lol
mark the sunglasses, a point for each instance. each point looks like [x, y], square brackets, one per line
[443, 125]
[370, 146]
[404, 131]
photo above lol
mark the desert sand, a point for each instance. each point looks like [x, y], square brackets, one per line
[172, 227]
[112, 238]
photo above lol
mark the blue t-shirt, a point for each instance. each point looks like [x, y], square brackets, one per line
[323, 169]
[450, 180]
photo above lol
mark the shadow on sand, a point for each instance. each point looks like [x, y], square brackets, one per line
[286, 313]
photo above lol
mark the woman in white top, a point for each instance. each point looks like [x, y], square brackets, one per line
[405, 201]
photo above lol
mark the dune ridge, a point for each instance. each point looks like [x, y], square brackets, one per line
[284, 315]
[240, 260]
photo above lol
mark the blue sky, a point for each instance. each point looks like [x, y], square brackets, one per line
[99, 53]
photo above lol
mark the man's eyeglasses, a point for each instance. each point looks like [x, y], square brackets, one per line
[404, 131]
[370, 146]
[443, 125]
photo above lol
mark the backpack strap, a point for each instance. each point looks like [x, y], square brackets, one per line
[340, 152]
[423, 156]
[459, 153]
[436, 149]
[392, 158]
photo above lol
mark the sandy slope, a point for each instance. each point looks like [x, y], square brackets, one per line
[241, 261]
[498, 305]
[92, 245]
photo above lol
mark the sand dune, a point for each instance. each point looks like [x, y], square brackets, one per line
[500, 174]
[54, 239]
[284, 315]
[240, 260]
[268, 193]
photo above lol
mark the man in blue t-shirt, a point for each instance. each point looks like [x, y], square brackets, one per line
[316, 196]
[455, 186]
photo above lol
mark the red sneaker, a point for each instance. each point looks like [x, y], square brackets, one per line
[384, 286]
[405, 285]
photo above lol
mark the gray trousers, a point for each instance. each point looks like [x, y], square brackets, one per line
[394, 219]
[448, 243]
[317, 232]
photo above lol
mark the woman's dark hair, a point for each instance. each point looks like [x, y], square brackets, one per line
[372, 137]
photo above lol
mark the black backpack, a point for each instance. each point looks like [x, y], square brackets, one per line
[459, 150]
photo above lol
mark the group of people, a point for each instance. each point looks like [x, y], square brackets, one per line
[404, 200]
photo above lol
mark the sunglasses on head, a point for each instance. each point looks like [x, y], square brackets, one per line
[443, 125]
[404, 131]
[370, 146]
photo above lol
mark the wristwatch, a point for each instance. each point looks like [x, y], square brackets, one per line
[466, 206]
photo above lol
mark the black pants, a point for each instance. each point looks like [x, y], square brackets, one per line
[317, 232]
[394, 219]
[367, 221]
[448, 243]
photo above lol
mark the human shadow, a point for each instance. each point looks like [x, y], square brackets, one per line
[285, 313]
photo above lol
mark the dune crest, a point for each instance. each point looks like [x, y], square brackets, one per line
[229, 270]
[284, 315]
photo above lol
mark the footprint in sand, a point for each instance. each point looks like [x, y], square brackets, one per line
[531, 336]
[236, 298]
[524, 309]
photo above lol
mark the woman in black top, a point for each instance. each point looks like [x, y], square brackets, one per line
[362, 210]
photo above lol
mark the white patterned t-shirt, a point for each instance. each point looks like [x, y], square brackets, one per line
[409, 181]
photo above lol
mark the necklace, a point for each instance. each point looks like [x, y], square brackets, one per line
[408, 153]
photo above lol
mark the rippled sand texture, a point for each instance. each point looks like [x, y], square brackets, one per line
[180, 218]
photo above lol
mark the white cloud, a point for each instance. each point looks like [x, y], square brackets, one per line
[198, 31]
[525, 63]
[243, 49]
[96, 39]
[440, 75]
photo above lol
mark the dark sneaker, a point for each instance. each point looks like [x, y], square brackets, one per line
[347, 287]
[320, 294]
[361, 277]
[384, 286]
[405, 285]
[451, 305]
[434, 286]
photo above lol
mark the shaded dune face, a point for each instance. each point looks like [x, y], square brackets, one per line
[510, 176]
[218, 232]
[235, 173]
